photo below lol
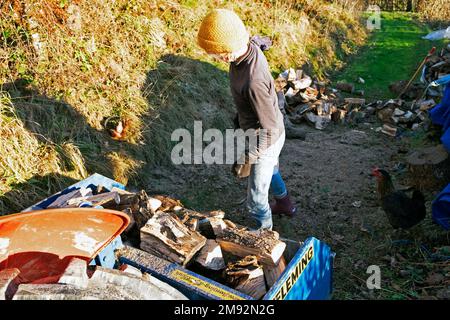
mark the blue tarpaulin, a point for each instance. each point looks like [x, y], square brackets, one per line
[441, 208]
[441, 115]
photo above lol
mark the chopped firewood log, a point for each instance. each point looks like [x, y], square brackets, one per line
[120, 191]
[106, 198]
[132, 223]
[338, 115]
[246, 276]
[212, 227]
[168, 204]
[200, 215]
[192, 223]
[426, 105]
[385, 115]
[166, 237]
[346, 87]
[210, 256]
[264, 244]
[272, 274]
[127, 201]
[62, 200]
[142, 206]
[355, 101]
[230, 224]
[398, 86]
[389, 130]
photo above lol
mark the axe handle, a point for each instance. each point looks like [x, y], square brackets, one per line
[417, 71]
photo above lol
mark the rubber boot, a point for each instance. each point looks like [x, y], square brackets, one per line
[283, 206]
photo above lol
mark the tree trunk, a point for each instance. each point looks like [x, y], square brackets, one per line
[429, 168]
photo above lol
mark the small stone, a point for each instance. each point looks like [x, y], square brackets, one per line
[356, 204]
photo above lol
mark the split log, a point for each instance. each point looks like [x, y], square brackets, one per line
[62, 201]
[338, 115]
[230, 224]
[200, 215]
[192, 223]
[132, 223]
[168, 204]
[166, 237]
[389, 130]
[429, 168]
[425, 105]
[246, 276]
[385, 115]
[264, 244]
[346, 87]
[210, 256]
[120, 191]
[107, 198]
[272, 274]
[355, 101]
[212, 228]
[141, 205]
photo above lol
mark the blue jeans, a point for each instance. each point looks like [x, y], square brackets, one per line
[263, 175]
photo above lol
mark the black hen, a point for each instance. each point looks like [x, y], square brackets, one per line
[401, 210]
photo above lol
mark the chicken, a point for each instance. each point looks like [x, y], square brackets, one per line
[401, 210]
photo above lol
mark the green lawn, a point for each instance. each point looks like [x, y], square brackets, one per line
[393, 53]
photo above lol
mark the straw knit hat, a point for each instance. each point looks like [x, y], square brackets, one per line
[222, 31]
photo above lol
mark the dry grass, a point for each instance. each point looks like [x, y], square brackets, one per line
[70, 65]
[437, 11]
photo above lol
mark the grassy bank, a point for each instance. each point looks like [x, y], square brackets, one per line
[68, 68]
[392, 53]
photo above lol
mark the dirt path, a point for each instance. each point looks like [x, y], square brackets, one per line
[328, 176]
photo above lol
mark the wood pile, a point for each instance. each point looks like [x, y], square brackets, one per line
[309, 101]
[204, 242]
[315, 103]
[399, 115]
[438, 65]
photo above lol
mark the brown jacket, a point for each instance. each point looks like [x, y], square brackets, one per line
[253, 91]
